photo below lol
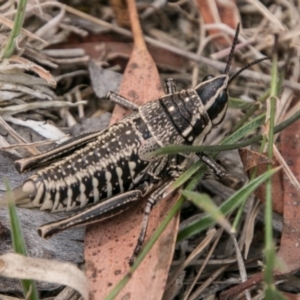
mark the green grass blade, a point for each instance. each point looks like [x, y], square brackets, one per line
[234, 137]
[188, 174]
[233, 202]
[269, 250]
[249, 112]
[204, 202]
[18, 22]
[239, 134]
[237, 103]
[244, 130]
[272, 293]
[247, 142]
[29, 288]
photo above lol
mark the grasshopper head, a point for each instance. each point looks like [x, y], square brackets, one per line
[213, 90]
[214, 96]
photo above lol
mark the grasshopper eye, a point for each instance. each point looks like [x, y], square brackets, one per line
[207, 77]
[218, 110]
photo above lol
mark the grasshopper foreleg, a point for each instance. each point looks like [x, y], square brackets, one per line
[171, 86]
[121, 101]
[211, 164]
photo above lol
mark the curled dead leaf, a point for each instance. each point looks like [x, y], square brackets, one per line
[31, 66]
[251, 160]
[17, 266]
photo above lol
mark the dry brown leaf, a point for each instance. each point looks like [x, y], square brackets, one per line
[217, 11]
[289, 247]
[31, 66]
[110, 244]
[253, 159]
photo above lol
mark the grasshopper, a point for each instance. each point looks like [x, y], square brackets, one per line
[103, 173]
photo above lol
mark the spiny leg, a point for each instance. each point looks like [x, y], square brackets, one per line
[154, 197]
[211, 164]
[121, 101]
[171, 86]
[92, 214]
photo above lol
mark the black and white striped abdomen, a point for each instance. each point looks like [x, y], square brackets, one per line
[105, 167]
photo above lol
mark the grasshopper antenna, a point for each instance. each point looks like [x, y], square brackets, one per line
[234, 42]
[228, 65]
[246, 67]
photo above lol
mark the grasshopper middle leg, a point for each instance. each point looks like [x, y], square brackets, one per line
[157, 195]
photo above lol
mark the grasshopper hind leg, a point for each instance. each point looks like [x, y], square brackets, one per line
[93, 214]
[154, 197]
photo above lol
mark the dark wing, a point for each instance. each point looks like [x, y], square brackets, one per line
[62, 150]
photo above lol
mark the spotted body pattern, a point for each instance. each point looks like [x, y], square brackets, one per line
[118, 159]
[103, 173]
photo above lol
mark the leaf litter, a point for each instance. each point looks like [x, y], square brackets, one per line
[44, 59]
